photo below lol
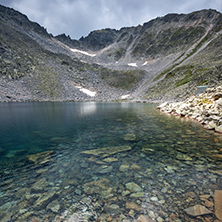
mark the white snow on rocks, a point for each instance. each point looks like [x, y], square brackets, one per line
[86, 91]
[82, 52]
[132, 64]
[125, 96]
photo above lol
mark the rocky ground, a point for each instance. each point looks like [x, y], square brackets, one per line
[206, 108]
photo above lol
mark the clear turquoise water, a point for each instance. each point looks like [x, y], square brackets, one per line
[172, 160]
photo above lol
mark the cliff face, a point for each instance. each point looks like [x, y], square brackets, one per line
[165, 58]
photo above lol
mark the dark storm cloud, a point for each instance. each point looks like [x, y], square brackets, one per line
[78, 17]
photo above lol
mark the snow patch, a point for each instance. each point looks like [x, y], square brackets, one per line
[132, 64]
[83, 52]
[86, 91]
[125, 96]
[145, 63]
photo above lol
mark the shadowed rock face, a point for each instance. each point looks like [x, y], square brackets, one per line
[165, 58]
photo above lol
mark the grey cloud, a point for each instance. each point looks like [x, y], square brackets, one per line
[78, 17]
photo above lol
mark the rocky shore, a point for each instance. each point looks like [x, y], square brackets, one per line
[206, 108]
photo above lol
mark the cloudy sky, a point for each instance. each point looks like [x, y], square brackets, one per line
[79, 17]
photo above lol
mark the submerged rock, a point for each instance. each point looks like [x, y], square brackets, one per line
[40, 158]
[44, 200]
[132, 205]
[197, 210]
[182, 156]
[218, 203]
[110, 159]
[123, 168]
[133, 187]
[143, 218]
[107, 151]
[130, 137]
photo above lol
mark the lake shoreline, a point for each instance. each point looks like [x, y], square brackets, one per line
[205, 108]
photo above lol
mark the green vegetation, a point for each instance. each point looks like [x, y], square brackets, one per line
[122, 79]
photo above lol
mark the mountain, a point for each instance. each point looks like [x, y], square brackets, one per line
[163, 59]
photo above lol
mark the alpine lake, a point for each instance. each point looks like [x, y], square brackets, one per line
[89, 161]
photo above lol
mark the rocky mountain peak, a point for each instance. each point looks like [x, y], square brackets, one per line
[165, 58]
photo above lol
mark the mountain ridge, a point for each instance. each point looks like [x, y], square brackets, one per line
[163, 59]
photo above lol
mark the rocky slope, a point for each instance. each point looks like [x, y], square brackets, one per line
[163, 59]
[205, 108]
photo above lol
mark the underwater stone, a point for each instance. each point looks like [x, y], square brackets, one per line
[218, 203]
[107, 151]
[130, 137]
[105, 169]
[134, 166]
[143, 218]
[134, 206]
[133, 187]
[43, 200]
[54, 206]
[197, 210]
[110, 159]
[137, 195]
[40, 158]
[185, 157]
[123, 168]
[40, 185]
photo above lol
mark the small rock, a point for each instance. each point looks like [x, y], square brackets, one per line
[110, 159]
[137, 195]
[54, 206]
[130, 137]
[123, 168]
[134, 166]
[134, 206]
[216, 156]
[40, 185]
[182, 156]
[125, 193]
[154, 199]
[143, 218]
[218, 129]
[105, 169]
[40, 158]
[133, 187]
